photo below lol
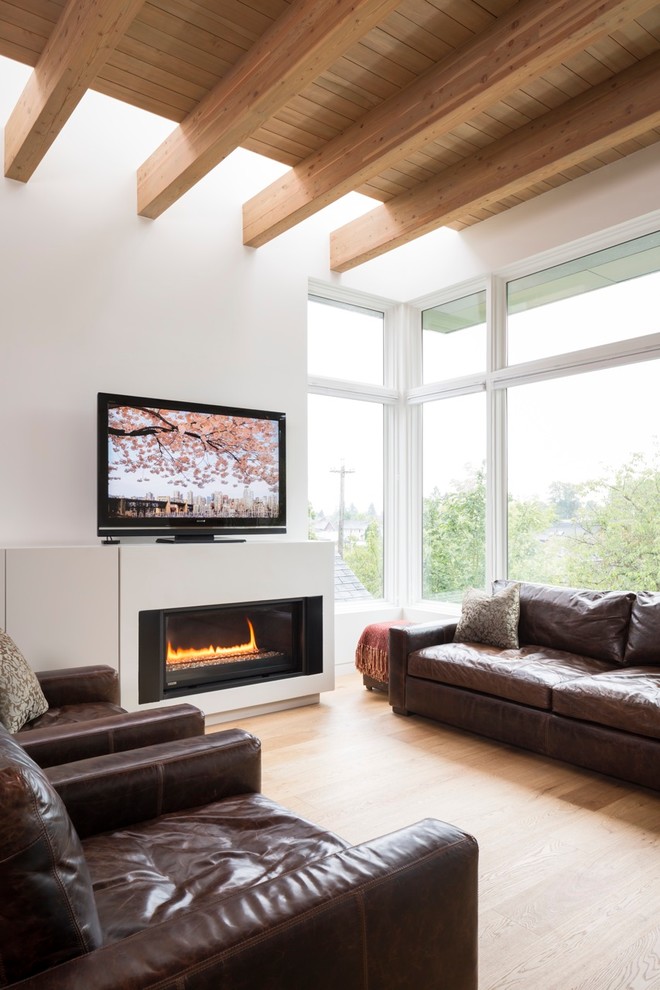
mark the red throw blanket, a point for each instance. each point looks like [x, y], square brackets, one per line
[372, 653]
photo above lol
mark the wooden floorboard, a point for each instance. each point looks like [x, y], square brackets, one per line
[569, 860]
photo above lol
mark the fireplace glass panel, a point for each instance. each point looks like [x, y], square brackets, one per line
[225, 641]
[188, 650]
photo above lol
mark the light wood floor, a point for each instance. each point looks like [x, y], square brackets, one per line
[569, 860]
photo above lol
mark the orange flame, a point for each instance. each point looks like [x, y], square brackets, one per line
[213, 652]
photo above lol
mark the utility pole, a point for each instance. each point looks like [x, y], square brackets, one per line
[342, 472]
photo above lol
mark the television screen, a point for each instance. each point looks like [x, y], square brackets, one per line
[188, 469]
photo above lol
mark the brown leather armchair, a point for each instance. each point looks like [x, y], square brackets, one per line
[85, 719]
[77, 694]
[166, 868]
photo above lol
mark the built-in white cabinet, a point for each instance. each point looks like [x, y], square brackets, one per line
[62, 605]
[68, 606]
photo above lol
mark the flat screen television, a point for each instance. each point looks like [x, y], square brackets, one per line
[188, 470]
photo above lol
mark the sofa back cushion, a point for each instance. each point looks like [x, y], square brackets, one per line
[47, 908]
[591, 623]
[644, 633]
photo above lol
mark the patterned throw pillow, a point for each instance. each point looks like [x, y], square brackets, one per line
[21, 697]
[490, 619]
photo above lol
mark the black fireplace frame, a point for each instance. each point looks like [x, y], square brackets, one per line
[307, 658]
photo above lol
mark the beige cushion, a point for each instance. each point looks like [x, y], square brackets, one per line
[490, 619]
[21, 697]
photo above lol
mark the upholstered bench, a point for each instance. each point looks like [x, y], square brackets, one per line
[372, 656]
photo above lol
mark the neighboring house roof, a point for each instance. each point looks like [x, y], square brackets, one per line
[347, 586]
[323, 526]
[356, 525]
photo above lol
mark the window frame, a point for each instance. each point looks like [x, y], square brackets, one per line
[499, 377]
[403, 394]
[386, 395]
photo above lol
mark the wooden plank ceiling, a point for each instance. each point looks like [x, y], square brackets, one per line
[446, 112]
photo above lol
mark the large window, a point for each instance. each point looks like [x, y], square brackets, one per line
[453, 424]
[346, 443]
[607, 296]
[454, 338]
[569, 415]
[583, 454]
[517, 435]
[454, 486]
[344, 341]
[345, 467]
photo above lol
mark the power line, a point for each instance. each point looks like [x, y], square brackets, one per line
[342, 472]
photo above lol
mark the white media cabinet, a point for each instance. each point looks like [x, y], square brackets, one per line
[68, 606]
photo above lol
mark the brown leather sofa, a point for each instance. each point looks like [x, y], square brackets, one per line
[85, 719]
[584, 685]
[166, 868]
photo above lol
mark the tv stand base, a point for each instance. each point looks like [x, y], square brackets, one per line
[195, 538]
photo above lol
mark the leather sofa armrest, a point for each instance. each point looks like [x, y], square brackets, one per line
[408, 639]
[400, 911]
[64, 743]
[79, 685]
[121, 789]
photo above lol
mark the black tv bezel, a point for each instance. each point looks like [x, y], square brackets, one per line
[202, 529]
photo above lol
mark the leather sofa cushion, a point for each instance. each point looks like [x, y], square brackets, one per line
[590, 623]
[644, 633]
[47, 909]
[527, 675]
[80, 685]
[627, 699]
[70, 714]
[151, 872]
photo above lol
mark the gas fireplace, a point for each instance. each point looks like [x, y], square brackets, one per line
[189, 650]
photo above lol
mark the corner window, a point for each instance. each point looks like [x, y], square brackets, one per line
[345, 469]
[344, 341]
[454, 497]
[454, 338]
[346, 437]
[584, 479]
[607, 296]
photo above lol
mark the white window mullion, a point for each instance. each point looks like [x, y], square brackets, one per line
[408, 480]
[496, 463]
[411, 526]
[395, 365]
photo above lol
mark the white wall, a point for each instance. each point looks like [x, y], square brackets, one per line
[94, 298]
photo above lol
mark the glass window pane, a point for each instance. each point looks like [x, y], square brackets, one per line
[344, 342]
[584, 479]
[346, 490]
[454, 491]
[454, 338]
[607, 296]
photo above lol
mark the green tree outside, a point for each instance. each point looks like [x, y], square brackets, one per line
[454, 539]
[366, 560]
[618, 544]
[602, 534]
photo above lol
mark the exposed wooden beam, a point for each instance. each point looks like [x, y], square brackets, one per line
[614, 111]
[523, 43]
[81, 42]
[308, 37]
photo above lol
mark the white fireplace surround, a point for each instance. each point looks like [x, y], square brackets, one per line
[70, 606]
